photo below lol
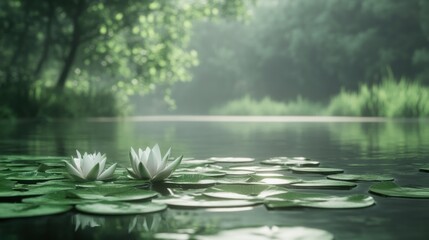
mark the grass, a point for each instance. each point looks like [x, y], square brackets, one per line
[266, 106]
[393, 98]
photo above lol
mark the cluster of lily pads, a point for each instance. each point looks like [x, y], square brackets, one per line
[35, 186]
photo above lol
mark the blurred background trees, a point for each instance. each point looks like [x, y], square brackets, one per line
[84, 57]
[97, 58]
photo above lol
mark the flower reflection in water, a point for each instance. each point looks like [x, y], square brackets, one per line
[82, 221]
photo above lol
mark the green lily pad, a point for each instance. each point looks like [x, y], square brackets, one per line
[284, 180]
[34, 177]
[110, 193]
[204, 171]
[259, 168]
[195, 162]
[318, 200]
[120, 208]
[191, 179]
[290, 162]
[391, 189]
[244, 192]
[238, 172]
[316, 170]
[23, 169]
[323, 184]
[270, 233]
[232, 159]
[58, 198]
[361, 177]
[205, 202]
[31, 190]
[17, 210]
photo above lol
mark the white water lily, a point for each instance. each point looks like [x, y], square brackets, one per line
[89, 167]
[149, 164]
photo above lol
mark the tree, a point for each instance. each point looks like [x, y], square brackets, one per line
[120, 46]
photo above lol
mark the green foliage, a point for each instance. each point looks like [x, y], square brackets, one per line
[266, 106]
[119, 47]
[71, 104]
[391, 98]
[309, 48]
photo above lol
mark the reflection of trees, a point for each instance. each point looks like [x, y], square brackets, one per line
[397, 138]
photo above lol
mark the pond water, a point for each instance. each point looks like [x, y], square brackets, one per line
[398, 148]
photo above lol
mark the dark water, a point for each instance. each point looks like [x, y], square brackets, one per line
[398, 148]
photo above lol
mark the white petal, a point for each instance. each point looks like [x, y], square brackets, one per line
[168, 170]
[134, 160]
[87, 163]
[72, 170]
[102, 165]
[108, 173]
[151, 164]
[164, 161]
[156, 153]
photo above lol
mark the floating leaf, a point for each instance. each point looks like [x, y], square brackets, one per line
[34, 177]
[317, 200]
[195, 162]
[232, 159]
[244, 192]
[316, 170]
[191, 179]
[16, 210]
[361, 177]
[390, 189]
[110, 193]
[31, 190]
[120, 208]
[238, 172]
[205, 202]
[270, 233]
[284, 180]
[259, 168]
[58, 198]
[324, 183]
[290, 162]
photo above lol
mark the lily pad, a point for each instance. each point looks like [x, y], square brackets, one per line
[58, 198]
[205, 202]
[191, 179]
[114, 193]
[316, 170]
[324, 183]
[27, 191]
[290, 162]
[16, 210]
[259, 168]
[120, 208]
[361, 177]
[34, 177]
[270, 233]
[244, 192]
[232, 159]
[391, 189]
[284, 180]
[195, 162]
[318, 200]
[238, 172]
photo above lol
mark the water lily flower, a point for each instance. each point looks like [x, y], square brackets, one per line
[89, 167]
[149, 164]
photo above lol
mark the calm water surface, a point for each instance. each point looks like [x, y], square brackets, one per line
[398, 148]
